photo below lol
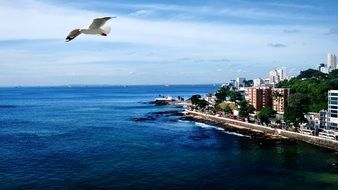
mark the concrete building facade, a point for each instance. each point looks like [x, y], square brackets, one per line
[331, 62]
[258, 82]
[332, 115]
[280, 97]
[260, 97]
[275, 98]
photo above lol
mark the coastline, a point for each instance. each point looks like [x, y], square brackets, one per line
[258, 131]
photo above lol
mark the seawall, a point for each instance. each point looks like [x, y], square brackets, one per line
[267, 131]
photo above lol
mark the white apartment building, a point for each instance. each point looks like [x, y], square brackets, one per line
[332, 117]
[277, 75]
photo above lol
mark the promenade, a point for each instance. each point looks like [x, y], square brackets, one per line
[269, 132]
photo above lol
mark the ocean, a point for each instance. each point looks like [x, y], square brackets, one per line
[111, 137]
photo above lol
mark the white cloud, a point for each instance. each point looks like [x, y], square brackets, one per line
[166, 44]
[142, 13]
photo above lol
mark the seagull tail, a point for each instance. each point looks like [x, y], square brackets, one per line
[106, 30]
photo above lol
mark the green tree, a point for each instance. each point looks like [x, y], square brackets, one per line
[202, 104]
[234, 96]
[198, 102]
[227, 109]
[265, 114]
[333, 74]
[245, 109]
[222, 94]
[195, 99]
[314, 85]
[311, 73]
[297, 107]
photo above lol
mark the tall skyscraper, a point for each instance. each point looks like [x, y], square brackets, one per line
[331, 61]
[281, 74]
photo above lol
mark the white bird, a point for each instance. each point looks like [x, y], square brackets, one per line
[94, 29]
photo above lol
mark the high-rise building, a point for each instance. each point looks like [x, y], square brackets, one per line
[273, 77]
[280, 97]
[258, 82]
[260, 97]
[281, 74]
[331, 62]
[239, 82]
[277, 75]
[332, 117]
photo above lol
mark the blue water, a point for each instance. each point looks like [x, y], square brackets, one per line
[88, 138]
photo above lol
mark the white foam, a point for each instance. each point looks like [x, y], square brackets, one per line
[184, 121]
[236, 134]
[203, 125]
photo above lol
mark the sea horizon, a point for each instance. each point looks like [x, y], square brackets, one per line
[113, 137]
[108, 85]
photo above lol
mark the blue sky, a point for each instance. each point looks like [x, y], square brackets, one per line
[162, 42]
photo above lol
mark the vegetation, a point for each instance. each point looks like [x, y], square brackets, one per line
[222, 94]
[265, 114]
[198, 102]
[312, 86]
[309, 94]
[311, 73]
[225, 107]
[245, 109]
[294, 112]
[227, 92]
[235, 96]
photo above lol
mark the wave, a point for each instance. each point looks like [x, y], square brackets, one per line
[236, 134]
[206, 126]
[203, 125]
[184, 121]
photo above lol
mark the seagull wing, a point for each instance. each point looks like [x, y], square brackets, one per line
[98, 22]
[73, 34]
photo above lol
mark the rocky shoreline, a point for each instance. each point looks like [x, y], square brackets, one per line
[260, 132]
[254, 134]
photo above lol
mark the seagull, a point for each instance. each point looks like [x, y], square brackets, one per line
[94, 29]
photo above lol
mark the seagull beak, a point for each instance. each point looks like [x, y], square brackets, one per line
[68, 39]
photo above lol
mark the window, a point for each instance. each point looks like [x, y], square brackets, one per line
[333, 125]
[334, 102]
[333, 107]
[334, 115]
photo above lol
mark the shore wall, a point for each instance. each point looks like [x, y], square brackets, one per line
[314, 140]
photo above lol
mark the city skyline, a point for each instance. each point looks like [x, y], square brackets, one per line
[156, 42]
